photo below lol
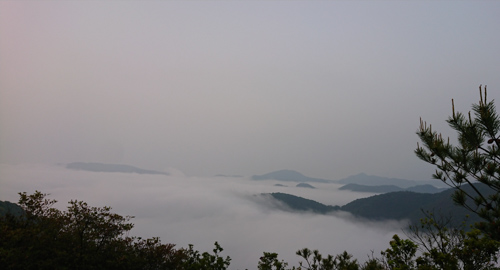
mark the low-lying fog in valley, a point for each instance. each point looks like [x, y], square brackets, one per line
[201, 210]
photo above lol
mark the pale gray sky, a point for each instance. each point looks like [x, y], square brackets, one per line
[327, 88]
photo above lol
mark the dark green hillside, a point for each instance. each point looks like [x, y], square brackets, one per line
[442, 204]
[302, 204]
[86, 237]
[426, 189]
[10, 208]
[393, 206]
[409, 205]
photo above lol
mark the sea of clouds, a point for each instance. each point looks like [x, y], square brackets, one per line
[201, 210]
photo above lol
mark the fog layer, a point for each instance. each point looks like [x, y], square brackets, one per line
[194, 210]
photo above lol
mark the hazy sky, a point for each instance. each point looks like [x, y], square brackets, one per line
[327, 88]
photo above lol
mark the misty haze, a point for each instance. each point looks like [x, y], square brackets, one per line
[190, 115]
[201, 210]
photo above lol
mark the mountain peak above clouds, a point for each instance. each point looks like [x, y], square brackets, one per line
[391, 188]
[114, 168]
[290, 176]
[373, 180]
[304, 185]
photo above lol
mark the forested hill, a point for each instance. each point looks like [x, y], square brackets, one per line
[395, 205]
[302, 204]
[10, 208]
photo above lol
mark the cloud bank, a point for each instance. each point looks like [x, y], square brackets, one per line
[201, 210]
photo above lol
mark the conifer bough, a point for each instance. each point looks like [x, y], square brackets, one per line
[475, 159]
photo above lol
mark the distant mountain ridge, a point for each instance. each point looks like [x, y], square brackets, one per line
[426, 189]
[358, 179]
[290, 176]
[391, 188]
[373, 189]
[373, 180]
[101, 167]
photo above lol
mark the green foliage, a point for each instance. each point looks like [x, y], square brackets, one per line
[270, 261]
[207, 261]
[440, 248]
[476, 158]
[373, 264]
[85, 237]
[315, 261]
[400, 256]
[452, 248]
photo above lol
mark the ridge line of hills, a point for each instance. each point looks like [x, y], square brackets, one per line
[360, 182]
[400, 205]
[358, 179]
[391, 188]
